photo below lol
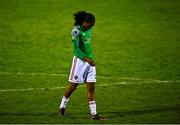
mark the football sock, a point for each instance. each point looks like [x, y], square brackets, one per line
[92, 106]
[63, 102]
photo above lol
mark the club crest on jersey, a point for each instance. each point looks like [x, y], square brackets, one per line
[88, 40]
[75, 77]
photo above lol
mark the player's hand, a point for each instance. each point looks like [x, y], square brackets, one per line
[90, 61]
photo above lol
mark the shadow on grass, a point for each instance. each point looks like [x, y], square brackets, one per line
[142, 111]
[109, 114]
[50, 114]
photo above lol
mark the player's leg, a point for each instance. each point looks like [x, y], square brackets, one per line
[91, 80]
[67, 93]
[92, 103]
[91, 99]
[90, 85]
[71, 87]
[69, 90]
[76, 77]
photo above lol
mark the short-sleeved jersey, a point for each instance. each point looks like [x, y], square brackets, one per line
[82, 43]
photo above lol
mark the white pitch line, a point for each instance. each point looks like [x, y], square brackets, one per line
[32, 89]
[133, 81]
[63, 87]
[32, 74]
[102, 77]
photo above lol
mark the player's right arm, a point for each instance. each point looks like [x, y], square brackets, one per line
[75, 39]
[77, 52]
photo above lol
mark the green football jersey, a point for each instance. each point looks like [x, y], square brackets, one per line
[82, 43]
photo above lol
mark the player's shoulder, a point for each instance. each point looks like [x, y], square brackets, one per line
[89, 31]
[75, 31]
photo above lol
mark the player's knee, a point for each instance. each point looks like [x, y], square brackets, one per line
[73, 86]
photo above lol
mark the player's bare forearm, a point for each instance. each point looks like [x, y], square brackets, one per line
[90, 61]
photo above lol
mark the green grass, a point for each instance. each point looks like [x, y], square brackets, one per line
[132, 39]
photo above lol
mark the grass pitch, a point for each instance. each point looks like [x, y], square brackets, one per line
[137, 51]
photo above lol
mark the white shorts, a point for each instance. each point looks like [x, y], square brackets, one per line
[82, 72]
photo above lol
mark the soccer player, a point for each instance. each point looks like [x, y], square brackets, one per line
[83, 68]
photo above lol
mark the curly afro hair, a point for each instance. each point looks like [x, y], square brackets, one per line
[82, 16]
